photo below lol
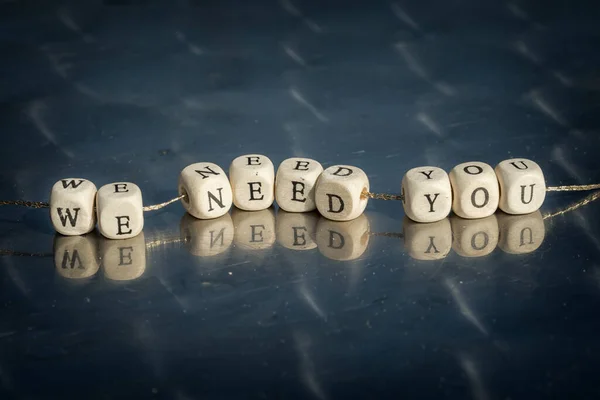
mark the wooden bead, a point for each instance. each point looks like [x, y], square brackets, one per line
[123, 260]
[295, 184]
[339, 191]
[431, 241]
[522, 186]
[72, 206]
[475, 190]
[343, 240]
[474, 237]
[296, 231]
[207, 189]
[120, 210]
[427, 194]
[253, 182]
[76, 257]
[254, 230]
[520, 234]
[207, 238]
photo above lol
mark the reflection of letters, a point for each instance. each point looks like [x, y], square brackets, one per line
[71, 261]
[72, 219]
[125, 256]
[523, 243]
[299, 236]
[340, 240]
[256, 234]
[213, 240]
[431, 245]
[486, 240]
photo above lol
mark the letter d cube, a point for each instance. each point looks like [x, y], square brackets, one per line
[339, 191]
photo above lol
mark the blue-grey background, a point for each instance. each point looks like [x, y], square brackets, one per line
[126, 90]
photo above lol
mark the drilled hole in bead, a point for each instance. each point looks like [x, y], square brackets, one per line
[185, 199]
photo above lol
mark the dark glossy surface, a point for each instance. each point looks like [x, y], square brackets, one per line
[137, 90]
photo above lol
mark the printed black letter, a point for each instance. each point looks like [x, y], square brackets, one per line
[123, 224]
[72, 219]
[254, 160]
[303, 164]
[295, 190]
[219, 201]
[524, 166]
[121, 188]
[427, 174]
[478, 169]
[204, 174]
[486, 197]
[530, 194]
[431, 201]
[340, 169]
[341, 203]
[253, 190]
[71, 183]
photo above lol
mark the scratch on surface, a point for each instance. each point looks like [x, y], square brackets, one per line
[296, 95]
[475, 381]
[310, 300]
[544, 106]
[404, 17]
[426, 120]
[291, 53]
[464, 306]
[35, 112]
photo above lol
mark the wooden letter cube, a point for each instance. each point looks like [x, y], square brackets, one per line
[475, 189]
[339, 192]
[474, 237]
[76, 257]
[296, 231]
[72, 206]
[120, 210]
[427, 194]
[520, 234]
[295, 184]
[207, 190]
[522, 186]
[123, 260]
[253, 182]
[343, 241]
[431, 241]
[207, 238]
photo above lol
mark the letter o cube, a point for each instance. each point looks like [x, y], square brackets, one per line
[522, 186]
[427, 194]
[295, 184]
[120, 210]
[475, 189]
[339, 191]
[72, 206]
[207, 189]
[252, 182]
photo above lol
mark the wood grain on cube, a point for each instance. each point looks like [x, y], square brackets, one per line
[252, 179]
[120, 210]
[427, 241]
[295, 184]
[72, 206]
[207, 190]
[475, 190]
[522, 186]
[427, 194]
[339, 192]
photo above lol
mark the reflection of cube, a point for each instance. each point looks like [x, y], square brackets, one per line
[123, 260]
[343, 240]
[475, 189]
[207, 189]
[339, 192]
[295, 184]
[427, 194]
[72, 206]
[254, 230]
[296, 231]
[120, 210]
[522, 186]
[521, 234]
[474, 237]
[206, 238]
[430, 241]
[76, 257]
[252, 179]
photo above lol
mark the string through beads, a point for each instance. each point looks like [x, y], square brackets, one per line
[381, 196]
[573, 188]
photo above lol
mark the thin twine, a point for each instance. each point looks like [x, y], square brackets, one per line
[365, 194]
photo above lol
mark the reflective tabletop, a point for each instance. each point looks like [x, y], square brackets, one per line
[270, 304]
